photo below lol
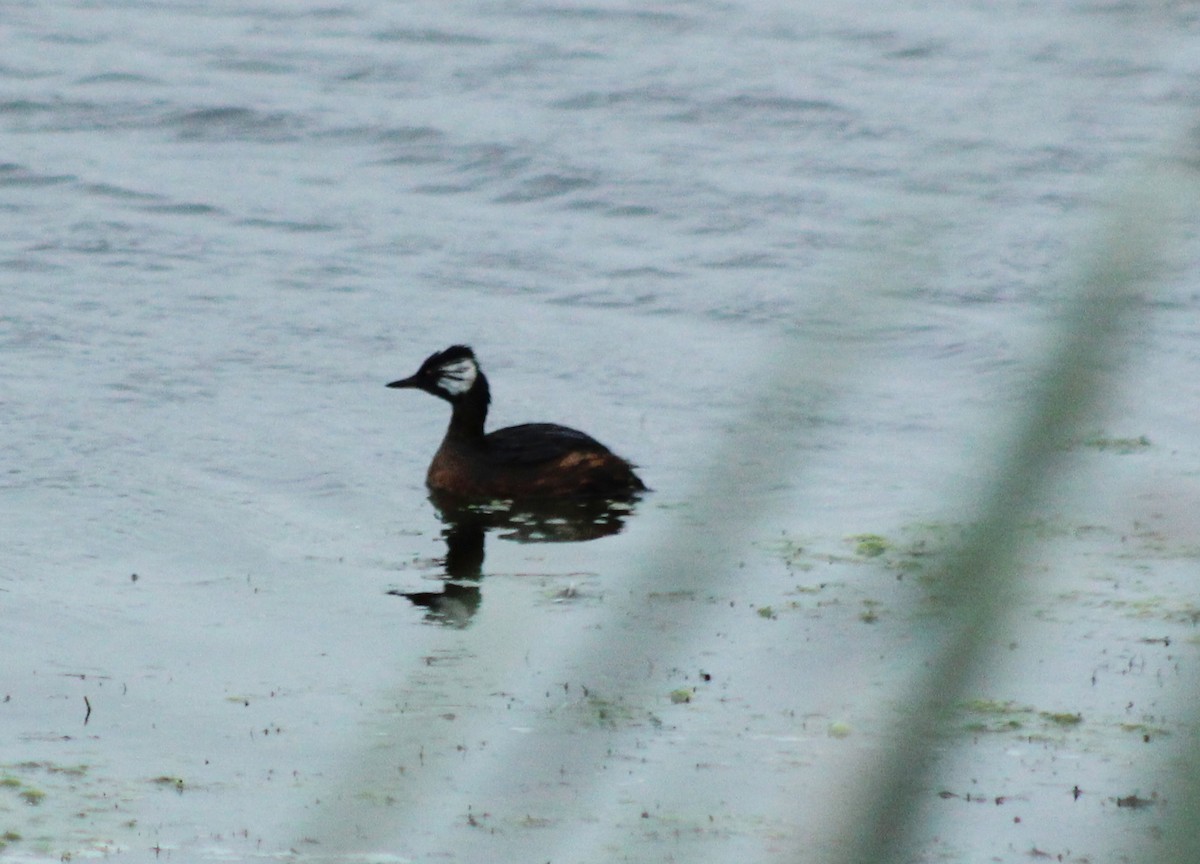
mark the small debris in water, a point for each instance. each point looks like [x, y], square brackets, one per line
[1136, 802]
[164, 780]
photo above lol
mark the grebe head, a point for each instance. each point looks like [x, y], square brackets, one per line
[448, 374]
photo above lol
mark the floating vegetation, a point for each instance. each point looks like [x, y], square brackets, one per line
[1156, 608]
[1121, 446]
[1061, 719]
[912, 554]
[36, 797]
[27, 792]
[993, 716]
[1136, 802]
[1145, 730]
[794, 554]
[839, 729]
[870, 545]
[996, 716]
[607, 712]
[790, 549]
[682, 596]
[47, 768]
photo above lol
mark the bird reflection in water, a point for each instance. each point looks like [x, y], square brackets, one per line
[467, 524]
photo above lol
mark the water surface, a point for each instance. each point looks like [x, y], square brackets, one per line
[228, 225]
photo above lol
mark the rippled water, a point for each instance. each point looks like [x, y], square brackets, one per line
[227, 225]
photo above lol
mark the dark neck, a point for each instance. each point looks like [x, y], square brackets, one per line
[470, 411]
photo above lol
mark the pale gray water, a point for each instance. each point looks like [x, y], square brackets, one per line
[227, 225]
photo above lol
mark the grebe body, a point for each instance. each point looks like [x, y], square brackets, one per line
[530, 461]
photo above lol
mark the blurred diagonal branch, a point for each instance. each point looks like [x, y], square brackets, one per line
[1105, 308]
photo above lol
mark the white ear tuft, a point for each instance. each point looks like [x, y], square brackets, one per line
[458, 376]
